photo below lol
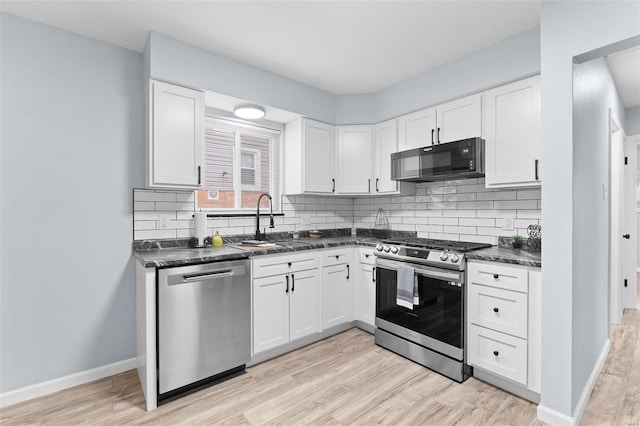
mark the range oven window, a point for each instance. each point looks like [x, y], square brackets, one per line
[439, 311]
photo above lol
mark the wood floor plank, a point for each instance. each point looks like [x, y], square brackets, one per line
[343, 380]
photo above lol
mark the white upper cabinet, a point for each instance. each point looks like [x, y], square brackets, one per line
[386, 143]
[354, 149]
[455, 120]
[309, 157]
[417, 129]
[512, 134]
[174, 136]
[459, 119]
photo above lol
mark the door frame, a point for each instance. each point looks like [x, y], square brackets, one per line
[616, 268]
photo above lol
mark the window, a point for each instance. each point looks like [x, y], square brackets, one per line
[241, 162]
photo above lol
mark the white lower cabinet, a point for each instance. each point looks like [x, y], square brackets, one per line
[503, 311]
[365, 300]
[286, 306]
[337, 288]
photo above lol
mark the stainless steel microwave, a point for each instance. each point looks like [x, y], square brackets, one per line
[453, 160]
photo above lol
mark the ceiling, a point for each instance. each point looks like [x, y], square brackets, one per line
[625, 69]
[343, 47]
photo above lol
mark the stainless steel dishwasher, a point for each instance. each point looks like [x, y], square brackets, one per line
[204, 325]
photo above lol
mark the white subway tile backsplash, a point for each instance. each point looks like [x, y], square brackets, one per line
[153, 196]
[477, 222]
[528, 214]
[186, 197]
[443, 221]
[168, 206]
[516, 205]
[475, 205]
[459, 213]
[471, 230]
[155, 234]
[529, 194]
[141, 225]
[459, 209]
[497, 195]
[469, 196]
[144, 206]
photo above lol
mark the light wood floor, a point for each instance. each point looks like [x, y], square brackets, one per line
[616, 397]
[346, 379]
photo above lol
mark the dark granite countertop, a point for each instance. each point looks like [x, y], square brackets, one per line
[150, 254]
[507, 255]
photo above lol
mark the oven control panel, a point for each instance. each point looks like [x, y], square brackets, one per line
[420, 255]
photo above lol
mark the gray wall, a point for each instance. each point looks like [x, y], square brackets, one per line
[72, 115]
[508, 60]
[594, 92]
[175, 61]
[632, 121]
[569, 346]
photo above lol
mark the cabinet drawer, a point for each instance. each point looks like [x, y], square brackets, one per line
[506, 277]
[498, 353]
[285, 263]
[366, 256]
[499, 310]
[336, 257]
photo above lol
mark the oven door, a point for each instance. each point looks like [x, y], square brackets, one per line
[437, 321]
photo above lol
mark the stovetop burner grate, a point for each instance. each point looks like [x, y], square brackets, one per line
[459, 246]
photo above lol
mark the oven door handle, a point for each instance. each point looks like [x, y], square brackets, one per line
[425, 271]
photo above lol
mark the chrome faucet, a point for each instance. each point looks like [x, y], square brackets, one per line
[271, 223]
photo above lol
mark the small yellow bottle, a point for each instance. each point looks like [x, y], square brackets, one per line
[217, 240]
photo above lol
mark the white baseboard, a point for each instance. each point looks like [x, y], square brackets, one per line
[556, 418]
[40, 389]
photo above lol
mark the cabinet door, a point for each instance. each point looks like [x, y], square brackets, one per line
[417, 129]
[459, 119]
[512, 134]
[386, 143]
[355, 144]
[305, 305]
[270, 312]
[366, 294]
[336, 295]
[319, 157]
[175, 136]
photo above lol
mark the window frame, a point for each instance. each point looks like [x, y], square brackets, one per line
[276, 153]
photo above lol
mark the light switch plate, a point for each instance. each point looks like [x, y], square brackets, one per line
[507, 222]
[164, 221]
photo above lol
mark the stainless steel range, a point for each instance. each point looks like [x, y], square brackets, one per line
[430, 329]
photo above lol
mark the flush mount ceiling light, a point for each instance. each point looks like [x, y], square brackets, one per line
[251, 112]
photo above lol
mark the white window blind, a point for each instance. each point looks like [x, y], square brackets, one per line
[240, 162]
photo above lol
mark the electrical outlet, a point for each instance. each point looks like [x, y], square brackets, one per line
[507, 222]
[164, 221]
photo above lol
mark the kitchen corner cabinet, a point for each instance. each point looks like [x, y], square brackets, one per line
[287, 303]
[511, 125]
[365, 306]
[504, 323]
[309, 157]
[337, 287]
[386, 143]
[455, 120]
[174, 136]
[354, 148]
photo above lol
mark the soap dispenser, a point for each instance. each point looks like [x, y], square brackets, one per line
[217, 240]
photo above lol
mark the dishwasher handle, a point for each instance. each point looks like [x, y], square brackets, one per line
[207, 275]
